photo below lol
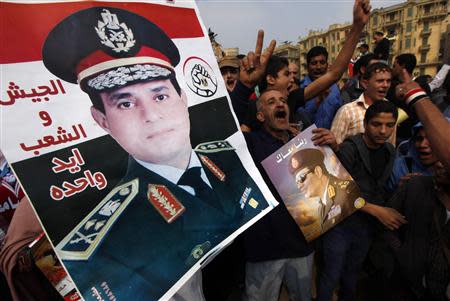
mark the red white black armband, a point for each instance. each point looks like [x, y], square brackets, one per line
[414, 96]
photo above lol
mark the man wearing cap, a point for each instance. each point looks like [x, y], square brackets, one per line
[175, 203]
[335, 196]
[229, 67]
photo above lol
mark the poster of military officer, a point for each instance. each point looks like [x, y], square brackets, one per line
[132, 86]
[317, 190]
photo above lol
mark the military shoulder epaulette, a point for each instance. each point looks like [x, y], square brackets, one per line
[214, 146]
[82, 241]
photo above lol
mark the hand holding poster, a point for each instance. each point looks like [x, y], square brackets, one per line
[131, 155]
[315, 187]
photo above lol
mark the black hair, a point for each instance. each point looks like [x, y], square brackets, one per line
[97, 101]
[407, 61]
[380, 107]
[375, 68]
[422, 80]
[363, 61]
[378, 33]
[274, 65]
[364, 45]
[316, 51]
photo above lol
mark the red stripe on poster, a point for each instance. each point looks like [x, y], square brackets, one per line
[24, 27]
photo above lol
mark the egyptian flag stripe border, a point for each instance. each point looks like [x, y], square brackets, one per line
[24, 27]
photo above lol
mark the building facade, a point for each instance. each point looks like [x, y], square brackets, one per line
[421, 27]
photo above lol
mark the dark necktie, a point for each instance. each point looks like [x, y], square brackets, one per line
[192, 178]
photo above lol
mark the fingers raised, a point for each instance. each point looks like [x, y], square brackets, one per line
[259, 42]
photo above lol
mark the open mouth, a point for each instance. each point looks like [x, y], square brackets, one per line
[424, 155]
[281, 114]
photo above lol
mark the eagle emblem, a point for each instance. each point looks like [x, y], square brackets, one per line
[114, 34]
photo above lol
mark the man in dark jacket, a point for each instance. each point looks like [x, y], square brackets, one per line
[369, 159]
[381, 50]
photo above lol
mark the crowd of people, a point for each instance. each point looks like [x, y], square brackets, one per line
[391, 132]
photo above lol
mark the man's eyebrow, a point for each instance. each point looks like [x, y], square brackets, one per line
[116, 96]
[159, 88]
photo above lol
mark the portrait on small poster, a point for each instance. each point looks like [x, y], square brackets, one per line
[316, 189]
[130, 153]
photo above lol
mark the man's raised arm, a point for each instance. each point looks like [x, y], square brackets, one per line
[252, 69]
[436, 126]
[361, 13]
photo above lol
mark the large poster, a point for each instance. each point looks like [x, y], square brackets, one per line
[117, 123]
[315, 187]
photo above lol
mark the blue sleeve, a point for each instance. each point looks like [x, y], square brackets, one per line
[328, 108]
[398, 170]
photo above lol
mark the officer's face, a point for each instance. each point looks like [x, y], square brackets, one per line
[308, 181]
[149, 120]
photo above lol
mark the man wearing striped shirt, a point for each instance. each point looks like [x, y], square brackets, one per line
[349, 119]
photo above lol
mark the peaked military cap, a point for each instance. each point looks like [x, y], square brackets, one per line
[105, 47]
[308, 157]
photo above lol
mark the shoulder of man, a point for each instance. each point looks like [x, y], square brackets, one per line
[339, 184]
[82, 242]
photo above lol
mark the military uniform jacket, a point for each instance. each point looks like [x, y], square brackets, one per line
[341, 194]
[142, 254]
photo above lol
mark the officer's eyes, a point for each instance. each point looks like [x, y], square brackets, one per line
[125, 105]
[161, 97]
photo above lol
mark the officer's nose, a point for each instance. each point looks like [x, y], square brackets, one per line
[150, 112]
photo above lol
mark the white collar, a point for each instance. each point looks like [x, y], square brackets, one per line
[362, 99]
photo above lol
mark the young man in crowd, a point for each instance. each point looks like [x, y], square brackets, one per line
[276, 250]
[354, 87]
[369, 159]
[321, 109]
[406, 61]
[382, 45]
[435, 124]
[418, 263]
[229, 68]
[349, 118]
[417, 161]
[363, 49]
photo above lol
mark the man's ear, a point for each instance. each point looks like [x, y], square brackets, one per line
[365, 82]
[270, 80]
[260, 116]
[101, 119]
[318, 171]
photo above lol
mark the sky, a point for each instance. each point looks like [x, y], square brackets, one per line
[237, 21]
